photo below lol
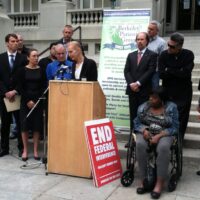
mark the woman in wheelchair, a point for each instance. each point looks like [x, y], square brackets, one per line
[156, 124]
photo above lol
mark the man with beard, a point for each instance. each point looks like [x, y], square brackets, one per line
[139, 68]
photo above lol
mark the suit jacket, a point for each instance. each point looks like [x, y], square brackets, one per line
[142, 72]
[176, 74]
[88, 71]
[199, 85]
[8, 77]
[25, 50]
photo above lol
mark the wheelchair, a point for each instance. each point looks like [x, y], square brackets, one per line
[150, 180]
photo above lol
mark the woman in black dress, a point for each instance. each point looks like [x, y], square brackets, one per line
[31, 86]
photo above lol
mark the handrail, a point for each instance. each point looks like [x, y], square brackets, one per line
[80, 39]
[162, 23]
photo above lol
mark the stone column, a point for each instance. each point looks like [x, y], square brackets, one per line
[7, 26]
[53, 18]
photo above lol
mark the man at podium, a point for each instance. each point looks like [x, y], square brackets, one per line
[84, 69]
[60, 69]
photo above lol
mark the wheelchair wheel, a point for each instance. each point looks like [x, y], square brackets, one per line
[179, 158]
[127, 178]
[130, 158]
[172, 183]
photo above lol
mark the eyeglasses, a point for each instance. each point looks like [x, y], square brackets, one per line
[172, 46]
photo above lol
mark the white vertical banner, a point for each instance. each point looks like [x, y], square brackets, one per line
[118, 39]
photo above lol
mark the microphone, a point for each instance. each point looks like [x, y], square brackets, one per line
[59, 75]
[56, 74]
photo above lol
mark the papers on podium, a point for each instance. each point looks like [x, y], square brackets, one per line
[12, 106]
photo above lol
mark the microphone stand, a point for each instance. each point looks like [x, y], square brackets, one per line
[44, 158]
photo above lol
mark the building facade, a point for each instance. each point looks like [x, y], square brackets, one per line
[42, 21]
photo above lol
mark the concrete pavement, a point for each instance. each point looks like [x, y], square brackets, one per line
[32, 183]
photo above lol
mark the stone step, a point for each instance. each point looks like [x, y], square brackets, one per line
[189, 154]
[196, 65]
[196, 95]
[195, 78]
[195, 86]
[193, 127]
[191, 141]
[122, 136]
[196, 72]
[194, 105]
[194, 116]
[122, 149]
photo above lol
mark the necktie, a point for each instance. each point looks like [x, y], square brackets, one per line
[139, 57]
[11, 61]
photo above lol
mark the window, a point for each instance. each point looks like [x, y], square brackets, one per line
[85, 47]
[107, 3]
[30, 5]
[27, 6]
[97, 48]
[97, 4]
[8, 6]
[35, 5]
[17, 6]
[86, 3]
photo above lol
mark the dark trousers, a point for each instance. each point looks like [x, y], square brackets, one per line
[184, 112]
[135, 100]
[6, 119]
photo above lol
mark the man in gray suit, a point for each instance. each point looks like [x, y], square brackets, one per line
[139, 68]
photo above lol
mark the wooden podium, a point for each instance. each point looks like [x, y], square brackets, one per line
[70, 104]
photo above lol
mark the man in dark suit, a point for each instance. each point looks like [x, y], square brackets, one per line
[175, 67]
[21, 47]
[10, 62]
[23, 50]
[67, 37]
[139, 68]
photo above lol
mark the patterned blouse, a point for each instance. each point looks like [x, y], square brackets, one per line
[167, 121]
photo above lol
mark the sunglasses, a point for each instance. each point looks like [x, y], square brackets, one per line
[171, 46]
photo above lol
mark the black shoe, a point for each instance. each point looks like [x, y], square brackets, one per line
[127, 145]
[155, 195]
[141, 190]
[4, 153]
[37, 158]
[12, 136]
[24, 159]
[198, 173]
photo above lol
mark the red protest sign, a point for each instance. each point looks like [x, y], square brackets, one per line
[104, 156]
